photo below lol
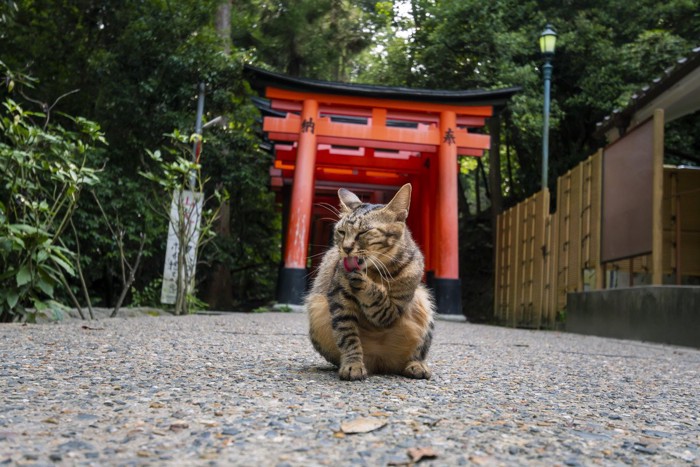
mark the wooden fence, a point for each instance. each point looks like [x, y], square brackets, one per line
[681, 223]
[577, 222]
[540, 257]
[523, 282]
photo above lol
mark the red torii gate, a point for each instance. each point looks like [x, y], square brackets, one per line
[372, 140]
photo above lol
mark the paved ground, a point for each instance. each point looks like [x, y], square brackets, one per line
[249, 390]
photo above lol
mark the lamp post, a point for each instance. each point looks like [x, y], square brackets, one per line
[198, 128]
[197, 144]
[548, 40]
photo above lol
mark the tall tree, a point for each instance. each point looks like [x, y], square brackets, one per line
[310, 38]
[223, 24]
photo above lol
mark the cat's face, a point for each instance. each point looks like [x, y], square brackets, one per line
[365, 231]
[371, 231]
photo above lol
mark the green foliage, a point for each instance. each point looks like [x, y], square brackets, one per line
[682, 141]
[137, 65]
[310, 38]
[561, 316]
[194, 304]
[149, 295]
[45, 170]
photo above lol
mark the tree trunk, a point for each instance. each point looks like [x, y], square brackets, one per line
[223, 24]
[463, 202]
[495, 181]
[511, 181]
[495, 167]
[482, 170]
[477, 191]
[220, 292]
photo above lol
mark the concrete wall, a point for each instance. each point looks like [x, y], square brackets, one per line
[665, 314]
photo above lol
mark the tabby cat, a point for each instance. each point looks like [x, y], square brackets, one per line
[368, 310]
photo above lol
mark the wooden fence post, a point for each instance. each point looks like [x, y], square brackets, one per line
[657, 233]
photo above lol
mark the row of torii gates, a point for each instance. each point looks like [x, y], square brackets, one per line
[371, 140]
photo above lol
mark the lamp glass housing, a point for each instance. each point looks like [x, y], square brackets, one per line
[548, 40]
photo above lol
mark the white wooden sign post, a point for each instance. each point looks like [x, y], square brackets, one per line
[189, 204]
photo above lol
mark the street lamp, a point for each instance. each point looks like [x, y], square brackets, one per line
[548, 40]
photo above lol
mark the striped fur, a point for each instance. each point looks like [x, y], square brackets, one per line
[380, 319]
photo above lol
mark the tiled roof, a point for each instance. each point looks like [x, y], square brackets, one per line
[672, 75]
[260, 78]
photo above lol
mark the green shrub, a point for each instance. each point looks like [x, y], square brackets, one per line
[44, 169]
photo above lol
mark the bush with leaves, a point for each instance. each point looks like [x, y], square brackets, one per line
[44, 170]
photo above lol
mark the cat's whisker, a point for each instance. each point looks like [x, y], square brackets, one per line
[391, 258]
[384, 273]
[330, 208]
[380, 269]
[323, 252]
[379, 265]
[364, 254]
[317, 255]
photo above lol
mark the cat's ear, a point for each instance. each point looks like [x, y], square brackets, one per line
[348, 200]
[400, 203]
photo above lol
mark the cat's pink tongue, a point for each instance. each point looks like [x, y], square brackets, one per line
[351, 263]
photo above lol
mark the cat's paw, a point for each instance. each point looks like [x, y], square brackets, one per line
[417, 370]
[354, 371]
[357, 280]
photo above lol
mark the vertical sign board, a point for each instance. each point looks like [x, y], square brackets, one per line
[189, 205]
[628, 170]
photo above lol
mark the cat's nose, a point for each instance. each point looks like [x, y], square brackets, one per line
[347, 249]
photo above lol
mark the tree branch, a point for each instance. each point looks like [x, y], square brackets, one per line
[80, 271]
[132, 276]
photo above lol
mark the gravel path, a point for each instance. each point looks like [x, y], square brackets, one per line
[247, 389]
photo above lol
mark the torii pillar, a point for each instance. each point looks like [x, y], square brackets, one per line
[293, 275]
[445, 238]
